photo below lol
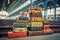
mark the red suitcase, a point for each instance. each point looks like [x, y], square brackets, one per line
[17, 34]
[46, 27]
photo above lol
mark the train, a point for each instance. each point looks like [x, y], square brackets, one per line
[6, 25]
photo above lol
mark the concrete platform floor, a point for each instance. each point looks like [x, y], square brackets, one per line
[55, 36]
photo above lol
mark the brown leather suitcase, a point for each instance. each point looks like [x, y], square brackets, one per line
[34, 33]
[35, 28]
[35, 15]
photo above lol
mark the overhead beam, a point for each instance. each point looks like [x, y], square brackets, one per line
[22, 6]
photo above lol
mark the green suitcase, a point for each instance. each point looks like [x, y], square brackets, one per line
[16, 24]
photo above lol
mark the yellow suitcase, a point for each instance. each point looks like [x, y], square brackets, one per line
[20, 30]
[36, 24]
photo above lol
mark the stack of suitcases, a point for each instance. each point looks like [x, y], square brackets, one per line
[20, 27]
[36, 21]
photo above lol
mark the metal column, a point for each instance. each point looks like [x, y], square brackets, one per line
[55, 13]
[45, 9]
[31, 2]
[45, 13]
[55, 9]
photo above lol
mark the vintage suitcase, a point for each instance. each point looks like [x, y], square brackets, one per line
[47, 30]
[35, 28]
[20, 29]
[16, 24]
[36, 24]
[34, 33]
[36, 19]
[35, 15]
[23, 21]
[23, 18]
[35, 10]
[46, 27]
[17, 34]
[46, 23]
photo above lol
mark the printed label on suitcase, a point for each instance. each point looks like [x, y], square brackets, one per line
[36, 24]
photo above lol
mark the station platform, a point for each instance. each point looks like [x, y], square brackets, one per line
[55, 36]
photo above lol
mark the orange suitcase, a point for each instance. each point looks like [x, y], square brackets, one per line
[36, 19]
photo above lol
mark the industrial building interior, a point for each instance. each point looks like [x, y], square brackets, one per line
[13, 20]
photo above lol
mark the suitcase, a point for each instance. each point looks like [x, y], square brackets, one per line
[36, 24]
[47, 30]
[20, 29]
[17, 34]
[35, 15]
[16, 24]
[35, 11]
[34, 33]
[23, 18]
[22, 21]
[46, 23]
[46, 27]
[36, 19]
[36, 29]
